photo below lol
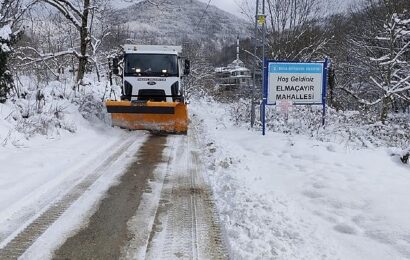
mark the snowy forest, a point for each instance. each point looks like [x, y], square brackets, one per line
[53, 50]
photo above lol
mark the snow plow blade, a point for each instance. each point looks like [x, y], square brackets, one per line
[162, 117]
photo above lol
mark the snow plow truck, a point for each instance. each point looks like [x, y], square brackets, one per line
[152, 89]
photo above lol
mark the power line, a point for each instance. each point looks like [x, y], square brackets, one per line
[203, 14]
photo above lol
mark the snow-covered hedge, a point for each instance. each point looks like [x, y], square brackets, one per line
[48, 109]
[349, 127]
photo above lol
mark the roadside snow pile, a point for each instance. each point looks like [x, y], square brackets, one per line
[286, 196]
[51, 140]
[37, 108]
[350, 128]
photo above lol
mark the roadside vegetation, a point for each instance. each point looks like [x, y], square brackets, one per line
[368, 46]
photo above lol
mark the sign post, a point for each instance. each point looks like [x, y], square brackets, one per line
[302, 83]
[265, 91]
[324, 91]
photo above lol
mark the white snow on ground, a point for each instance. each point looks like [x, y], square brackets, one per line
[289, 197]
[46, 163]
[76, 216]
[279, 196]
[37, 170]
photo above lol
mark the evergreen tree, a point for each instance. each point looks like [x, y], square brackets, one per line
[6, 80]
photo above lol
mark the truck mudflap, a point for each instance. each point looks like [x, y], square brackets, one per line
[161, 117]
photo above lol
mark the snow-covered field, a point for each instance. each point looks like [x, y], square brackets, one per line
[278, 196]
[289, 197]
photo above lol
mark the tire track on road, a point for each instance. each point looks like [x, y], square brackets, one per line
[107, 231]
[186, 225]
[27, 207]
[21, 241]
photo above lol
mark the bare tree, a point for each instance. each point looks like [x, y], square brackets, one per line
[295, 30]
[100, 29]
[78, 30]
[201, 78]
[78, 15]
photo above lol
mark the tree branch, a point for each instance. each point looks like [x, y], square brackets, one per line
[67, 14]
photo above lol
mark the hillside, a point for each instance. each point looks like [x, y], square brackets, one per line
[173, 21]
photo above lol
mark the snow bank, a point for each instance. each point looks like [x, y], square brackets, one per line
[52, 138]
[290, 197]
[348, 127]
[49, 110]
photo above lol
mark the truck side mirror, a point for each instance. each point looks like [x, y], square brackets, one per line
[115, 68]
[187, 67]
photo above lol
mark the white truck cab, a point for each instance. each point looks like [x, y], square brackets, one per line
[152, 73]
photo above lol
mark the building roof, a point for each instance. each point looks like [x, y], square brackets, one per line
[236, 65]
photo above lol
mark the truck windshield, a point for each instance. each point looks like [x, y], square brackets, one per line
[146, 65]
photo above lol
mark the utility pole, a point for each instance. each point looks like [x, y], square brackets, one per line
[263, 48]
[255, 55]
[260, 19]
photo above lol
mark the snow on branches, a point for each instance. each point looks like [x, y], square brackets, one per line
[379, 61]
[66, 8]
[5, 36]
[5, 32]
[391, 59]
[78, 16]
[9, 14]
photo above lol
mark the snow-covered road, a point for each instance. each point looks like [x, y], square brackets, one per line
[160, 209]
[40, 182]
[134, 197]
[185, 224]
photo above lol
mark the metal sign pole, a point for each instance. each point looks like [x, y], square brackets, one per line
[265, 95]
[324, 91]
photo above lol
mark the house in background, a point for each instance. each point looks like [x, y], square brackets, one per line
[235, 76]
